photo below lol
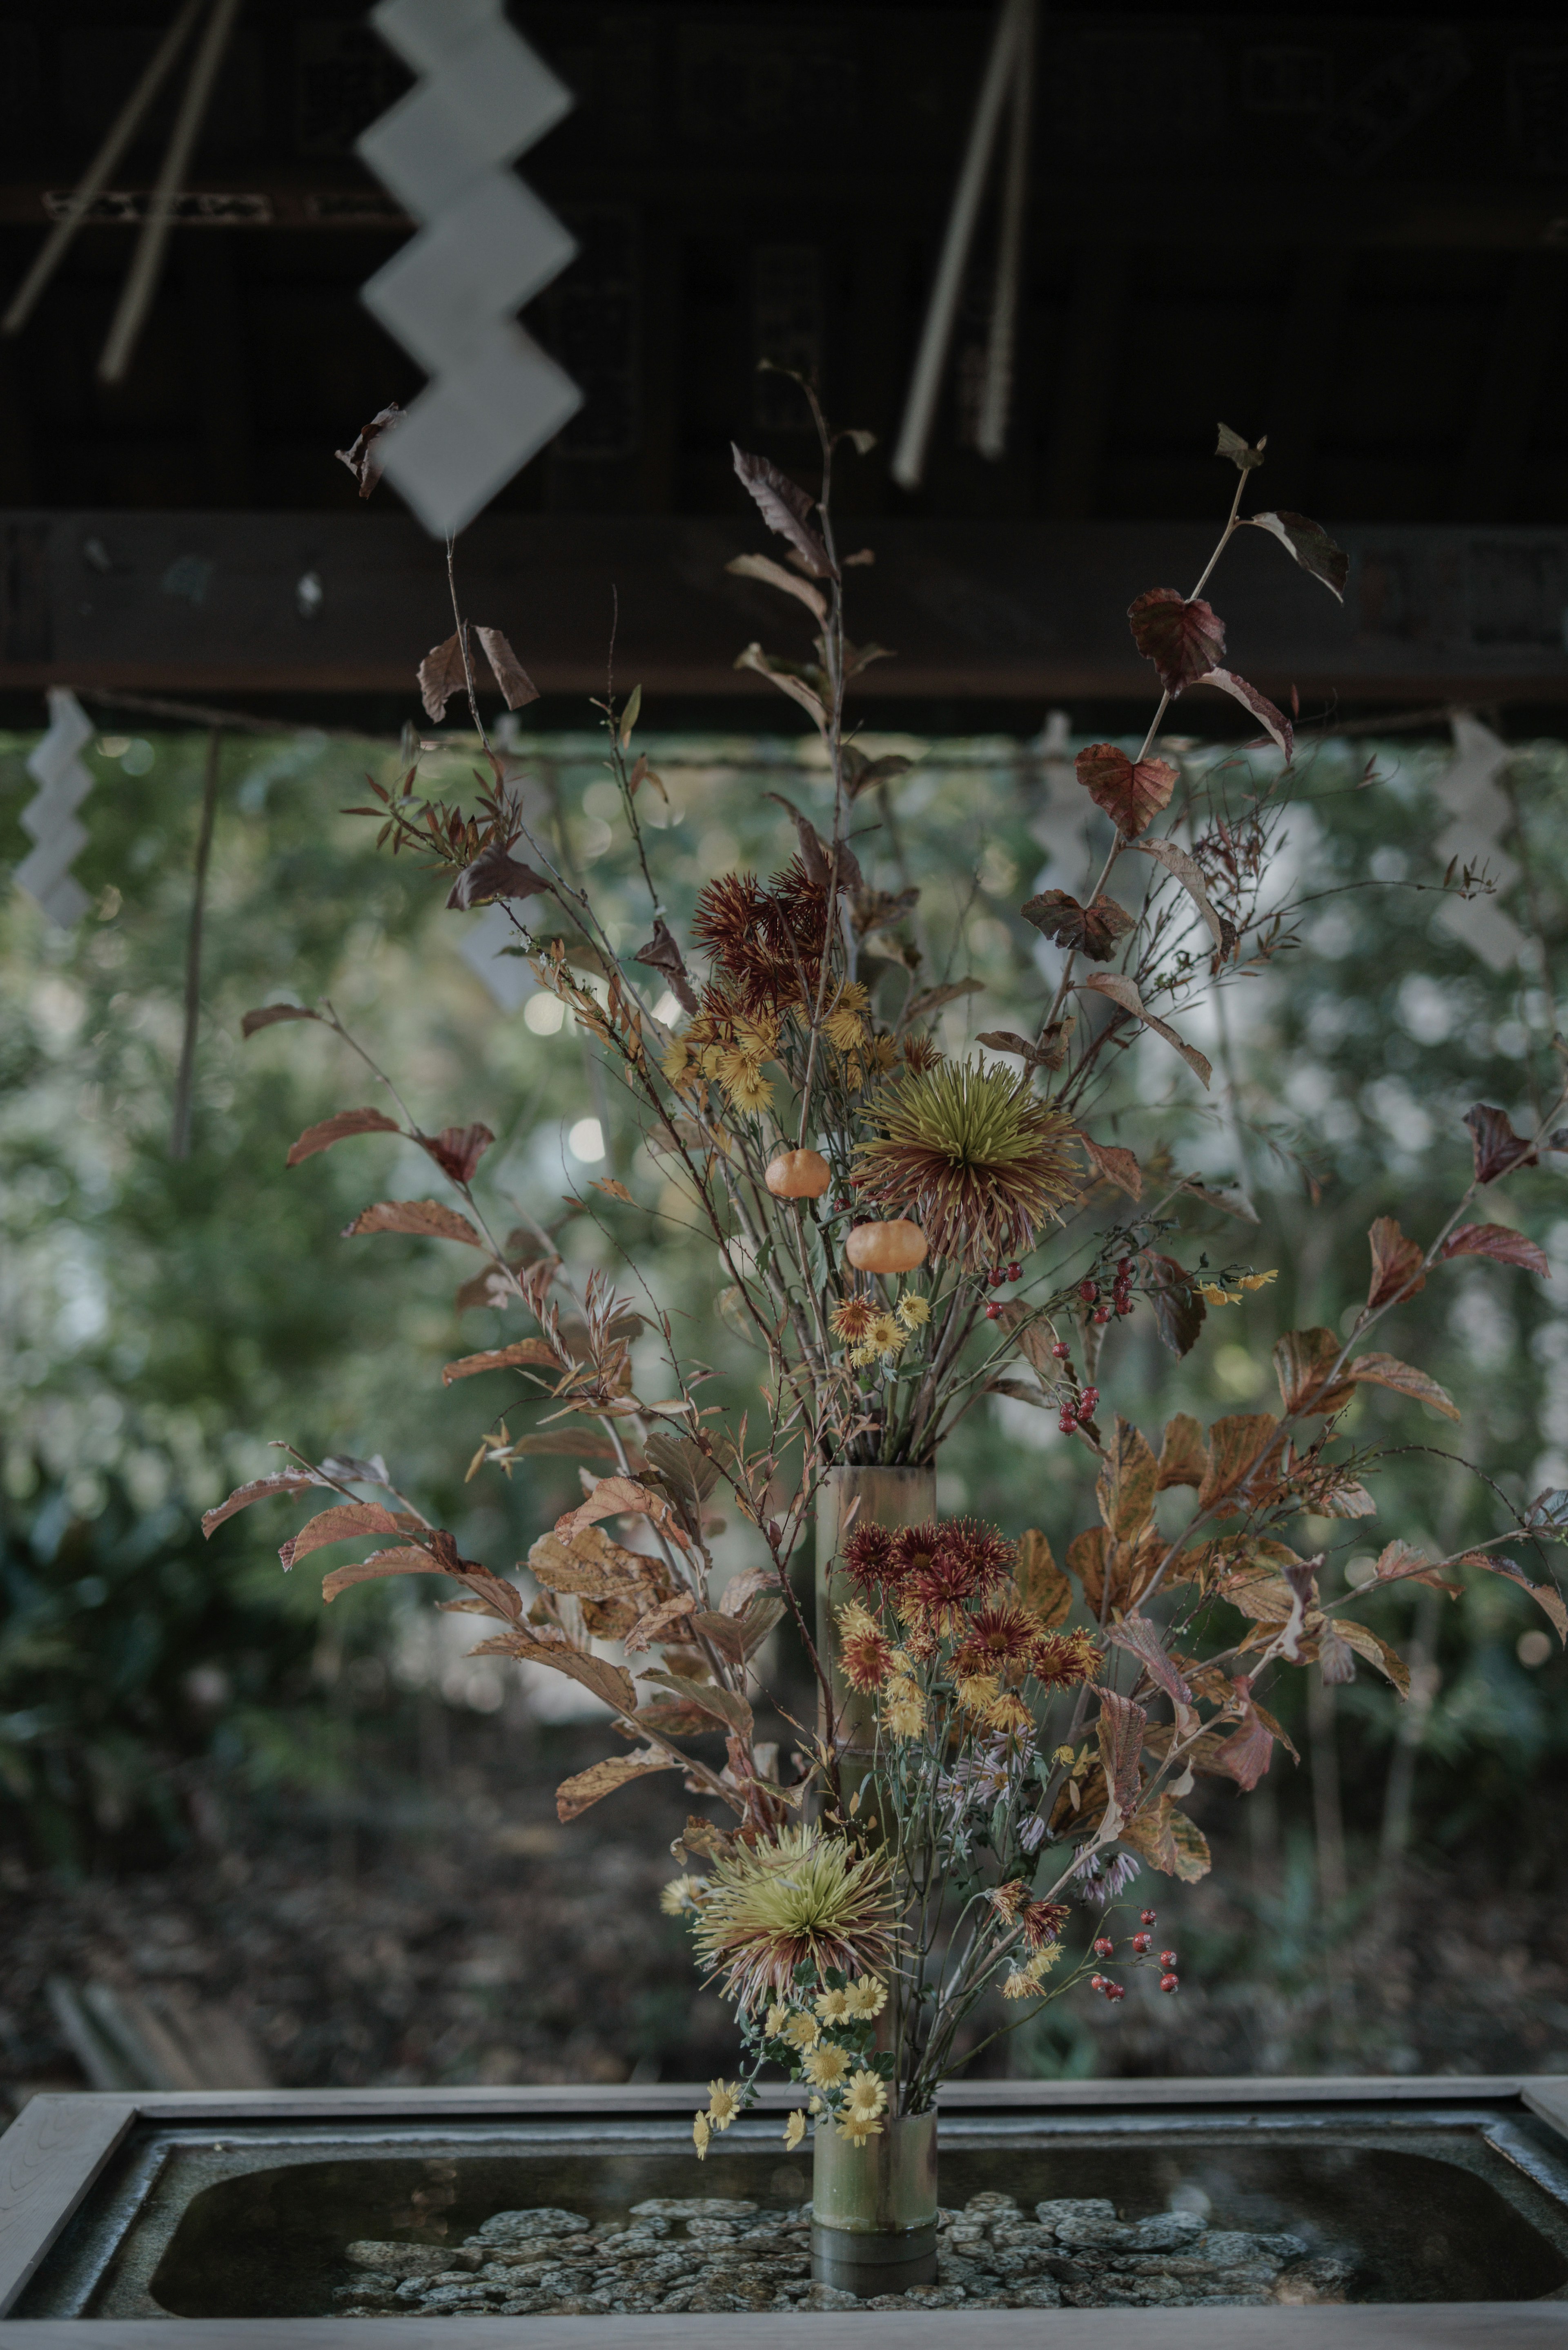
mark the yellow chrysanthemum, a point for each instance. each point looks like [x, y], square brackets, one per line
[794, 2130]
[778, 2016]
[914, 1309]
[857, 2132]
[681, 1894]
[886, 1336]
[825, 2067]
[852, 1319]
[977, 1692]
[744, 1084]
[854, 1619]
[833, 2006]
[802, 1898]
[868, 2098]
[1008, 1714]
[700, 2133]
[723, 2103]
[869, 1996]
[680, 1068]
[845, 1029]
[802, 2031]
[1024, 1982]
[903, 1710]
[882, 1053]
[861, 1355]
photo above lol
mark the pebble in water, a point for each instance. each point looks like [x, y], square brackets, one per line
[725, 2254]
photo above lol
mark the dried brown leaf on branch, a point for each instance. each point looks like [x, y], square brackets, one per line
[1310, 546]
[1387, 1371]
[535, 1353]
[1183, 1454]
[425, 1219]
[1179, 1310]
[784, 678]
[495, 873]
[367, 453]
[1189, 873]
[574, 1795]
[1545, 1595]
[1497, 1149]
[458, 1150]
[1127, 1484]
[1237, 1445]
[791, 583]
[787, 509]
[1499, 1242]
[441, 674]
[1248, 1752]
[269, 1014]
[1123, 993]
[340, 1523]
[260, 1489]
[1113, 1164]
[1302, 1360]
[517, 687]
[336, 1129]
[1184, 641]
[1119, 1729]
[1242, 453]
[662, 954]
[1273, 721]
[1042, 1586]
[1132, 796]
[1395, 1264]
[1091, 931]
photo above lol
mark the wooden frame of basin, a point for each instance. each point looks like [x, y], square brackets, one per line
[51, 2155]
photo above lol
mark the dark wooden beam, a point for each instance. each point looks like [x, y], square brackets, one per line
[1508, 393]
[208, 603]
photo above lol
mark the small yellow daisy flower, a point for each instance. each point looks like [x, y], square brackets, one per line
[887, 1335]
[723, 2103]
[833, 2006]
[868, 2098]
[826, 2067]
[794, 2130]
[903, 1710]
[802, 2031]
[869, 1996]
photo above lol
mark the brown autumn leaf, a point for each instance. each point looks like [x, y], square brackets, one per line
[1273, 721]
[1387, 1371]
[458, 1150]
[269, 1014]
[1499, 1242]
[1192, 1859]
[517, 687]
[531, 1351]
[1189, 873]
[1127, 1484]
[1182, 639]
[340, 1523]
[1310, 546]
[797, 688]
[574, 1795]
[1376, 1650]
[1179, 1311]
[1008, 1040]
[1302, 1360]
[441, 674]
[785, 508]
[1400, 1562]
[720, 1705]
[611, 1684]
[623, 1497]
[426, 1218]
[1396, 1262]
[260, 1489]
[1132, 796]
[1497, 1148]
[1141, 1640]
[1183, 1455]
[495, 873]
[366, 454]
[408, 1558]
[1247, 1754]
[1545, 1595]
[662, 954]
[1236, 1445]
[1091, 931]
[1042, 1586]
[1123, 993]
[336, 1129]
[1119, 1729]
[1150, 1835]
[1115, 1165]
[1094, 1555]
[592, 1566]
[659, 1620]
[764, 568]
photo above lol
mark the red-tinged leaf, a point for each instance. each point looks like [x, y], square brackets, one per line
[1141, 1638]
[1302, 1360]
[658, 1623]
[622, 1497]
[458, 1150]
[1183, 640]
[611, 1684]
[1091, 931]
[440, 675]
[574, 1795]
[1123, 992]
[1497, 1148]
[662, 954]
[1179, 1311]
[785, 508]
[1115, 1165]
[1183, 1455]
[1131, 796]
[1189, 873]
[1376, 1650]
[1236, 1445]
[1387, 1371]
[1120, 1730]
[1545, 1595]
[1310, 546]
[1499, 1241]
[763, 567]
[1397, 1561]
[1247, 1754]
[534, 1351]
[425, 1218]
[271, 1013]
[408, 1558]
[495, 873]
[517, 687]
[260, 1489]
[1395, 1264]
[1273, 720]
[338, 1128]
[367, 453]
[340, 1523]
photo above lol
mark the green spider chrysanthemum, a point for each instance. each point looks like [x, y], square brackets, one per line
[970, 1154]
[803, 1898]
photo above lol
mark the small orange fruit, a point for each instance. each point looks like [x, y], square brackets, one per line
[798, 1175]
[897, 1246]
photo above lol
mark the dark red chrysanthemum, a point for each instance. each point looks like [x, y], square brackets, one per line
[957, 1562]
[767, 942]
[1000, 1633]
[1044, 1921]
[872, 1559]
[1063, 1660]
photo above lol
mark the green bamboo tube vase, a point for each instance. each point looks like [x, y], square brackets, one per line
[873, 2207]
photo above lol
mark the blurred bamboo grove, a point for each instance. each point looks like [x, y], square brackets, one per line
[150, 1310]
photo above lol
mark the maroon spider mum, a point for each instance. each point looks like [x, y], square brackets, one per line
[952, 1564]
[1044, 1921]
[1000, 1633]
[868, 1660]
[871, 1556]
[1063, 1659]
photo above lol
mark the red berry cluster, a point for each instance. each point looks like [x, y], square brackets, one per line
[1078, 1409]
[1121, 1287]
[1104, 1948]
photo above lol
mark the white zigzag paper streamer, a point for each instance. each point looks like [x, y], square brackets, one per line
[1480, 811]
[63, 784]
[488, 245]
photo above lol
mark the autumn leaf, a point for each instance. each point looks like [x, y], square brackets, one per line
[1127, 1484]
[440, 675]
[662, 954]
[1247, 1754]
[1310, 546]
[1141, 1638]
[592, 1566]
[1121, 1729]
[722, 1705]
[1008, 1040]
[340, 1523]
[1236, 1445]
[611, 1684]
[260, 1489]
[1273, 720]
[1123, 993]
[1042, 1586]
[533, 1351]
[1395, 1264]
[658, 1623]
[1499, 1242]
[574, 1795]
[366, 454]
[1179, 1311]
[1115, 1165]
[785, 508]
[1387, 1371]
[1182, 639]
[1192, 1859]
[495, 873]
[1132, 796]
[1183, 1455]
[1091, 931]
[1497, 1147]
[797, 689]
[763, 567]
[1302, 1360]
[1189, 873]
[458, 1150]
[517, 687]
[408, 1558]
[622, 1497]
[1242, 453]
[336, 1129]
[425, 1218]
[1398, 1562]
[1545, 1595]
[1377, 1651]
[269, 1014]
[1150, 1835]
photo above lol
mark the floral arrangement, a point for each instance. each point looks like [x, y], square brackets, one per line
[999, 1736]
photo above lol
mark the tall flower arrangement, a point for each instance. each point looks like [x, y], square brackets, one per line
[867, 1193]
